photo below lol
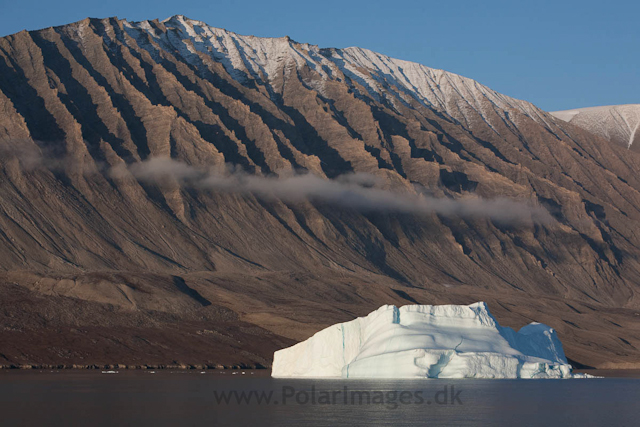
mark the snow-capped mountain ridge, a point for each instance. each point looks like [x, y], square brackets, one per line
[617, 123]
[265, 58]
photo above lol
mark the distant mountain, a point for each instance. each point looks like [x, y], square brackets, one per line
[617, 123]
[174, 192]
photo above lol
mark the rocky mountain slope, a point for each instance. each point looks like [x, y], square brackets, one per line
[617, 123]
[153, 187]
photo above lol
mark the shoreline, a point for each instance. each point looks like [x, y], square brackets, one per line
[601, 373]
[142, 367]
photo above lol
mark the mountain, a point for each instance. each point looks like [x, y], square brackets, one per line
[617, 123]
[176, 193]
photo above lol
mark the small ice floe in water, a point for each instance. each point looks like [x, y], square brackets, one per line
[426, 341]
[109, 372]
[584, 376]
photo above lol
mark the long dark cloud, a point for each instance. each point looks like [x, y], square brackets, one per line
[356, 191]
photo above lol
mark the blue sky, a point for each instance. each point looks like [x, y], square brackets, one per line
[556, 54]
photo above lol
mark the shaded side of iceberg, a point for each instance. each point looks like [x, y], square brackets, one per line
[425, 341]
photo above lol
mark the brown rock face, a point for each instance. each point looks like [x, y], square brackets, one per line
[104, 267]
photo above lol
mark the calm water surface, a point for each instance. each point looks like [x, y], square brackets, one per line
[186, 398]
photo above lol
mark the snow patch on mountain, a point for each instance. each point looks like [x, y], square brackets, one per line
[459, 97]
[617, 123]
[265, 59]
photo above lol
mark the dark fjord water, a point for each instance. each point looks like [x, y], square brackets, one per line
[185, 398]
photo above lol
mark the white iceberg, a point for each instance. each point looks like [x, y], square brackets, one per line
[426, 341]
